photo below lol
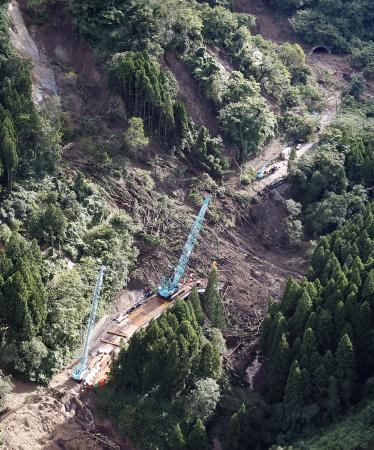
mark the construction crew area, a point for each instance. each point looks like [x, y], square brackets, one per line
[93, 366]
[120, 329]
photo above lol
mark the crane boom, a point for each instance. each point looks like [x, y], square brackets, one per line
[80, 368]
[169, 285]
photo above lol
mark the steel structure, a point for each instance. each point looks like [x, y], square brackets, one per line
[80, 368]
[169, 285]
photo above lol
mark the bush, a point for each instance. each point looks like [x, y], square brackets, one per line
[6, 387]
[299, 127]
[357, 85]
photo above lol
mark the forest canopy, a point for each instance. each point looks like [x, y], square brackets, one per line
[343, 26]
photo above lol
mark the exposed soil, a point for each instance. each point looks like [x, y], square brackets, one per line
[200, 109]
[270, 26]
[246, 240]
[49, 419]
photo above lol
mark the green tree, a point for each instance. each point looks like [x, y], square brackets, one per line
[294, 395]
[213, 301]
[210, 361]
[235, 430]
[278, 367]
[368, 289]
[135, 139]
[300, 317]
[176, 439]
[345, 366]
[17, 295]
[198, 437]
[357, 85]
[54, 222]
[8, 148]
[194, 298]
[249, 124]
[310, 358]
[324, 330]
[202, 401]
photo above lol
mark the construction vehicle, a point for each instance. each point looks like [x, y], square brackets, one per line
[265, 171]
[80, 369]
[285, 153]
[169, 286]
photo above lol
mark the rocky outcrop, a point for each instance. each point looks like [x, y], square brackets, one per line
[44, 81]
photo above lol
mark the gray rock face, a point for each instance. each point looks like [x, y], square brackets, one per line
[43, 77]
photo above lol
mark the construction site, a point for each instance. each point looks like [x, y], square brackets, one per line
[239, 228]
[94, 364]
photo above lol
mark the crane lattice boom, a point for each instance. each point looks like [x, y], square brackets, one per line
[80, 369]
[169, 285]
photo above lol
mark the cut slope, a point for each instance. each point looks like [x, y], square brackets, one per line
[274, 28]
[200, 109]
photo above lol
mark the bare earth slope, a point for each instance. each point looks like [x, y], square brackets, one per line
[245, 239]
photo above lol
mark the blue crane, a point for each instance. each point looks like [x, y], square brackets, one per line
[80, 368]
[170, 285]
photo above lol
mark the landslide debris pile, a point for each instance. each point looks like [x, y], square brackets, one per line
[51, 419]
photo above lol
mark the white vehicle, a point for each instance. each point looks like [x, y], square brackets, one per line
[285, 153]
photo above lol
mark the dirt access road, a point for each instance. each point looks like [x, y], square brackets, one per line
[273, 150]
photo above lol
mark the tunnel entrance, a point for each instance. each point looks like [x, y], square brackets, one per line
[320, 50]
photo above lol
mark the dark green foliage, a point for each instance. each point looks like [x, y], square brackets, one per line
[194, 299]
[362, 57]
[249, 124]
[23, 304]
[280, 70]
[166, 354]
[205, 69]
[245, 428]
[345, 366]
[213, 302]
[148, 93]
[224, 3]
[329, 184]
[235, 430]
[145, 89]
[210, 361]
[176, 439]
[350, 432]
[136, 25]
[169, 364]
[27, 142]
[321, 25]
[198, 439]
[357, 86]
[315, 343]
[23, 295]
[342, 26]
[208, 151]
[8, 148]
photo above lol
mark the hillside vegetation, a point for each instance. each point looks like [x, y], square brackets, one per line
[43, 302]
[84, 187]
[345, 27]
[266, 74]
[331, 183]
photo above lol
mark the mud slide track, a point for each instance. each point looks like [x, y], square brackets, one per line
[200, 109]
